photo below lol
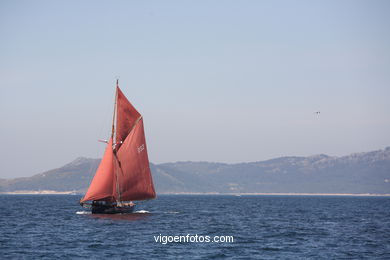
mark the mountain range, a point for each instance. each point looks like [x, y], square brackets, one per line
[367, 172]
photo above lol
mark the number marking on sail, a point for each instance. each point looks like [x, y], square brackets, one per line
[141, 148]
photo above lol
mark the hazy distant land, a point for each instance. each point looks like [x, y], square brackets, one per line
[360, 174]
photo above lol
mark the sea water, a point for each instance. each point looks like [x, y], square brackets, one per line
[260, 227]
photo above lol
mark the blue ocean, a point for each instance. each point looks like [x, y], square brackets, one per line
[247, 227]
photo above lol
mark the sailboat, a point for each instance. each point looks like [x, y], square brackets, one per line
[123, 175]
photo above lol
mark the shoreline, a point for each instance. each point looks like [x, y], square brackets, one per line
[52, 192]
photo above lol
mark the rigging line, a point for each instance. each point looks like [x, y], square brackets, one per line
[134, 125]
[136, 122]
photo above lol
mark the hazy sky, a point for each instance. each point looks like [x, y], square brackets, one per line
[226, 81]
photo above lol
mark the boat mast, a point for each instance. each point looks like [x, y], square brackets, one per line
[113, 117]
[114, 141]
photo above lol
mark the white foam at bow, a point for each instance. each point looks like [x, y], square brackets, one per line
[83, 212]
[142, 211]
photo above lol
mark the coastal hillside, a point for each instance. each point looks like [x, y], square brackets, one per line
[356, 173]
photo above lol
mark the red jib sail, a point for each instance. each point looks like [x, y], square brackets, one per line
[124, 172]
[102, 185]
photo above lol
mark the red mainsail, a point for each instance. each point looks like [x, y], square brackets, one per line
[124, 172]
[134, 176]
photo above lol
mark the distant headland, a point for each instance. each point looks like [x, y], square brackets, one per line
[359, 174]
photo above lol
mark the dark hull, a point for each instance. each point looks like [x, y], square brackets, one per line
[108, 209]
